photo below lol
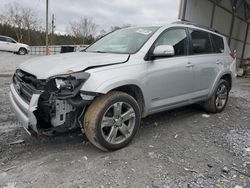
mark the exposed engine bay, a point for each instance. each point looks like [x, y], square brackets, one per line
[52, 112]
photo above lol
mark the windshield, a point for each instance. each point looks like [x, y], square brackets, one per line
[125, 41]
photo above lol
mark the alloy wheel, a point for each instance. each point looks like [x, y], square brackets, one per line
[221, 96]
[22, 51]
[118, 122]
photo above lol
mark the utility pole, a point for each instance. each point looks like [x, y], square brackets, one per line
[47, 27]
[53, 28]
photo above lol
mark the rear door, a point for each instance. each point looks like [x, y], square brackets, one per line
[206, 63]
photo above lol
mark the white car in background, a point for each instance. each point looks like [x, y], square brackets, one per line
[10, 45]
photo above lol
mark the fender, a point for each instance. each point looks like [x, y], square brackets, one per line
[107, 85]
[112, 84]
[110, 77]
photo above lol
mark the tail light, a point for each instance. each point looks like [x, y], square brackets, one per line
[233, 54]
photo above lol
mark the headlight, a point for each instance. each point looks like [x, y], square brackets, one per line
[67, 84]
[60, 83]
[72, 81]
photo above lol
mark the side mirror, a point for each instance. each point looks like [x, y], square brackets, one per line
[164, 51]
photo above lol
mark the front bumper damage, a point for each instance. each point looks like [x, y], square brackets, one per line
[23, 110]
[40, 107]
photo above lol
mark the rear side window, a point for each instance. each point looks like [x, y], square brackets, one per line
[218, 43]
[201, 43]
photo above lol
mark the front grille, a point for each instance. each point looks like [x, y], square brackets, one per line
[26, 85]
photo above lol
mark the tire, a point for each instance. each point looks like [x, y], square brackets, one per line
[219, 99]
[106, 126]
[22, 51]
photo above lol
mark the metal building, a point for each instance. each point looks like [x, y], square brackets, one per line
[229, 17]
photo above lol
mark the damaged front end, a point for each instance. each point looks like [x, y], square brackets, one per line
[53, 104]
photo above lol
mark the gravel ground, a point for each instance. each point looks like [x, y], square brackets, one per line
[179, 148]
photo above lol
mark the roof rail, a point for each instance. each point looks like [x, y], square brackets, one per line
[197, 25]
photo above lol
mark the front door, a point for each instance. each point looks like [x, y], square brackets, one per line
[170, 79]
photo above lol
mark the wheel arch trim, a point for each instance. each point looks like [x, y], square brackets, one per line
[218, 78]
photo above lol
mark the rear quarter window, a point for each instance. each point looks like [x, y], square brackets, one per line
[218, 43]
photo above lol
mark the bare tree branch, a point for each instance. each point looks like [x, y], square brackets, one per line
[20, 18]
[83, 28]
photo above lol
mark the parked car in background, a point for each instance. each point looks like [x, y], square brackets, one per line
[8, 44]
[123, 77]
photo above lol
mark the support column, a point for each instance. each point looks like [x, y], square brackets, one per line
[245, 42]
[183, 9]
[231, 27]
[212, 17]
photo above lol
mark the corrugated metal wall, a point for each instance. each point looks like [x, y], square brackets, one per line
[220, 15]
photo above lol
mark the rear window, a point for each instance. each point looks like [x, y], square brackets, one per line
[218, 43]
[200, 42]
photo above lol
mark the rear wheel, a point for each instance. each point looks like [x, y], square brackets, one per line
[22, 51]
[112, 121]
[219, 99]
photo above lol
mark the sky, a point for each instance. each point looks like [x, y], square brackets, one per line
[105, 13]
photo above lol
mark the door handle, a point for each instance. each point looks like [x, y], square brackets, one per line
[189, 64]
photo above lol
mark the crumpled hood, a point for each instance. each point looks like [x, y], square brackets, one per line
[48, 66]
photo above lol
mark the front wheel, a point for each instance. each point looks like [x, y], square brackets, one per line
[112, 121]
[219, 99]
[22, 51]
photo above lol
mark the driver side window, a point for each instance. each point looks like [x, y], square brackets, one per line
[176, 38]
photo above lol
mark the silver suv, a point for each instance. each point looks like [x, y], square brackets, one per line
[123, 77]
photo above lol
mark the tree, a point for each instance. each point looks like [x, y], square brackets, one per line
[19, 17]
[84, 28]
[30, 22]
